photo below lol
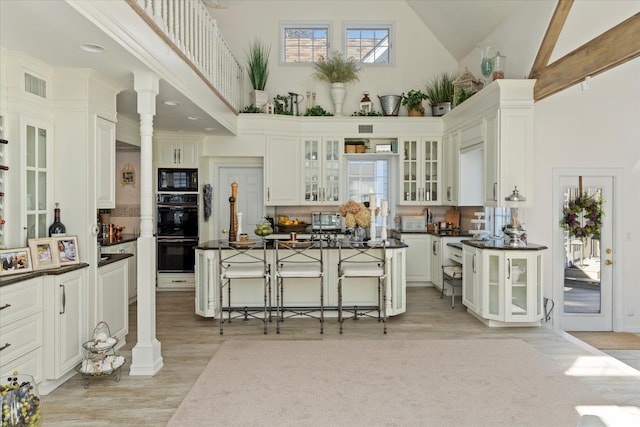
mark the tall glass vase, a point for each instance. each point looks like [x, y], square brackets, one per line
[20, 402]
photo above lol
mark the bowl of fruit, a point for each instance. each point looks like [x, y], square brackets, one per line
[288, 226]
[263, 228]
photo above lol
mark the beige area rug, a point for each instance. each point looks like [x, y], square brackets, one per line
[485, 382]
[609, 340]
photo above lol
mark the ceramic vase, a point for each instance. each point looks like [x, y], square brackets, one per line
[338, 92]
[20, 402]
[259, 98]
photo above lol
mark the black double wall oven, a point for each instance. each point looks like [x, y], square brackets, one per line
[177, 232]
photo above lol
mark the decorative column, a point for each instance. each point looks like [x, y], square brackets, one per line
[145, 356]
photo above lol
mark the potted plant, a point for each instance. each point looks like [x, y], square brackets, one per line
[413, 102]
[440, 93]
[258, 69]
[338, 72]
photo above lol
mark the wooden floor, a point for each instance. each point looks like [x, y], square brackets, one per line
[189, 341]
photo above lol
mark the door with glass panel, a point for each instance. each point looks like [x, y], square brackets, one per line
[37, 173]
[584, 260]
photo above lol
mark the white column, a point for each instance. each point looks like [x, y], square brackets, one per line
[145, 356]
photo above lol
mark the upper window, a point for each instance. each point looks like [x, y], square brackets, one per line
[369, 44]
[304, 43]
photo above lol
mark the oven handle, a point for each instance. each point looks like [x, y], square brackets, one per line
[178, 240]
[164, 205]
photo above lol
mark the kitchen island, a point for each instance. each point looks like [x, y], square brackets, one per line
[502, 284]
[305, 293]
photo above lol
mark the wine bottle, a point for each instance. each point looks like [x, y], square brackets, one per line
[57, 228]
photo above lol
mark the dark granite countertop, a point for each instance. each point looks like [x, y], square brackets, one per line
[111, 258]
[500, 245]
[443, 233]
[124, 239]
[214, 244]
[9, 280]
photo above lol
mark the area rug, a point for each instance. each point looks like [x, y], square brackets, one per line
[483, 382]
[609, 340]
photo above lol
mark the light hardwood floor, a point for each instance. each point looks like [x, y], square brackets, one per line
[189, 341]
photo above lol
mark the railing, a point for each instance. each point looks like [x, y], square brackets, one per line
[194, 34]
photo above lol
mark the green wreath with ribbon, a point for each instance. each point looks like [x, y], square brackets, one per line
[582, 218]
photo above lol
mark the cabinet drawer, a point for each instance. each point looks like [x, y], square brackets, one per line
[455, 255]
[30, 363]
[20, 300]
[22, 336]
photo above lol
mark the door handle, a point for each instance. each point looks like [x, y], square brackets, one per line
[64, 299]
[5, 346]
[224, 231]
[608, 262]
[5, 306]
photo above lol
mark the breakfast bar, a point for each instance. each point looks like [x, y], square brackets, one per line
[305, 292]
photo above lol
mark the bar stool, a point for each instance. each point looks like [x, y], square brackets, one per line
[364, 260]
[298, 260]
[243, 260]
[452, 276]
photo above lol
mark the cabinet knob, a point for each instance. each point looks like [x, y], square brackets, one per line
[608, 262]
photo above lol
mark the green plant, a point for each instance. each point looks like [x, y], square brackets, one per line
[413, 100]
[366, 113]
[317, 111]
[258, 64]
[463, 95]
[281, 105]
[336, 69]
[440, 89]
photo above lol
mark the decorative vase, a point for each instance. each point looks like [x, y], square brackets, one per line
[259, 98]
[338, 92]
[414, 113]
[20, 402]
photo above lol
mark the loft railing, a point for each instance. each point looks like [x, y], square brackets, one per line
[189, 29]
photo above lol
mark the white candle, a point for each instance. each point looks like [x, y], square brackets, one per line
[372, 201]
[384, 207]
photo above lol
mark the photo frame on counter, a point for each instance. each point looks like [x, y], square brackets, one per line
[14, 261]
[67, 249]
[43, 254]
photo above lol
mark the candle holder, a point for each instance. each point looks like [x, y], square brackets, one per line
[383, 231]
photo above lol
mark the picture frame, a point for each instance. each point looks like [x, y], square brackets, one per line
[43, 254]
[67, 250]
[14, 261]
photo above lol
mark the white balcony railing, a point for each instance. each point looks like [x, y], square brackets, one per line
[195, 34]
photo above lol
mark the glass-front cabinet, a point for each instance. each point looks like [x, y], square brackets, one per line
[322, 170]
[420, 171]
[36, 171]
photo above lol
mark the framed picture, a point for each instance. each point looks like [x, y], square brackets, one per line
[67, 249]
[14, 261]
[43, 254]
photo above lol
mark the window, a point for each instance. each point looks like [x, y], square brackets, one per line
[372, 175]
[304, 43]
[369, 44]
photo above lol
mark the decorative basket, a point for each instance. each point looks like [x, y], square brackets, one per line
[298, 228]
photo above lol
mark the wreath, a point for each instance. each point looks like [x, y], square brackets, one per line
[582, 218]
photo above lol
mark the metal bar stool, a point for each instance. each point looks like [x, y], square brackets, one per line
[298, 260]
[452, 276]
[243, 260]
[363, 260]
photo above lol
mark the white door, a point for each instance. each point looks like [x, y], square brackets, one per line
[584, 266]
[249, 202]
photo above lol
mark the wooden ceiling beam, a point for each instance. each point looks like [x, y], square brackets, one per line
[610, 49]
[551, 37]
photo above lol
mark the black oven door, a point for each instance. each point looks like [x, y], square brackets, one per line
[181, 180]
[176, 255]
[177, 221]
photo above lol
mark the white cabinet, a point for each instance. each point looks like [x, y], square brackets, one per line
[113, 298]
[127, 248]
[418, 256]
[436, 261]
[177, 154]
[470, 277]
[21, 328]
[105, 164]
[420, 171]
[503, 287]
[322, 170]
[450, 169]
[282, 171]
[65, 321]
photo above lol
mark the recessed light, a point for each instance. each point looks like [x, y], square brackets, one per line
[171, 103]
[193, 118]
[92, 48]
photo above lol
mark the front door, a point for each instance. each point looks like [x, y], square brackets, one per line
[250, 198]
[584, 264]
